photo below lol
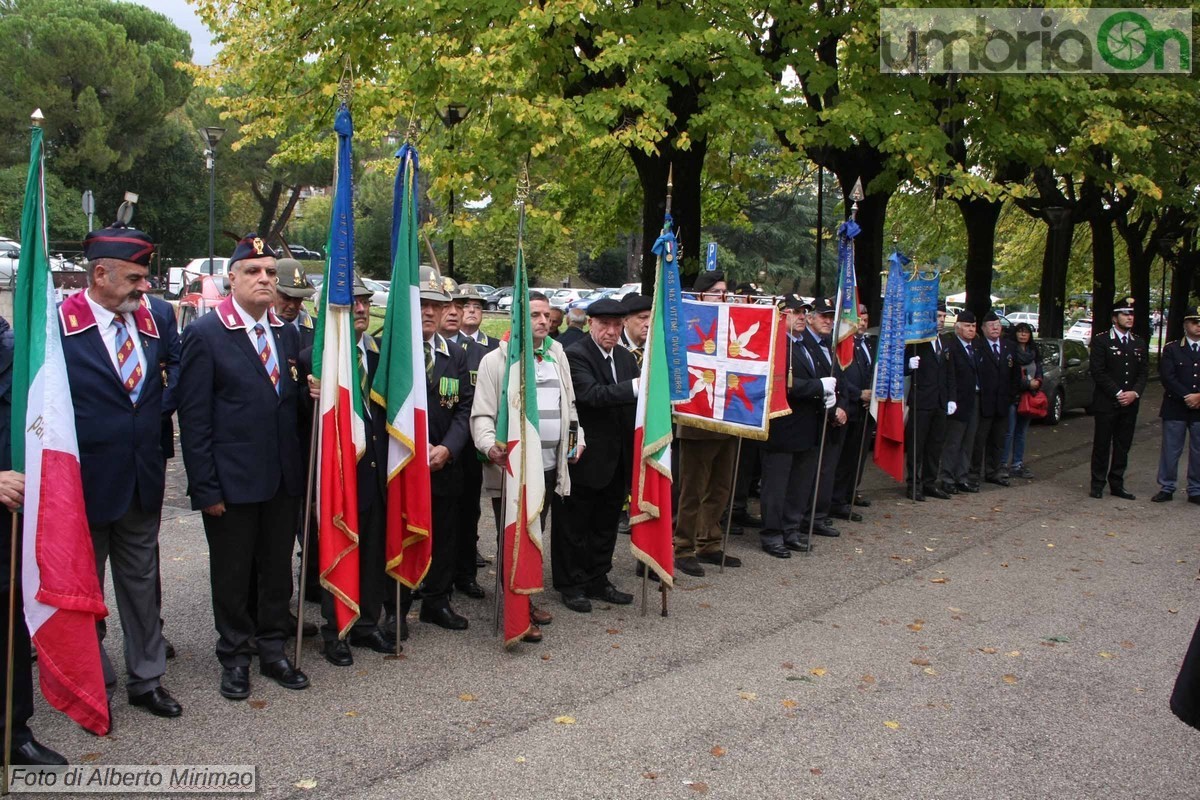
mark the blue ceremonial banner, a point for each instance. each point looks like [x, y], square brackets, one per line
[710, 263]
[889, 380]
[339, 290]
[667, 251]
[398, 211]
[920, 305]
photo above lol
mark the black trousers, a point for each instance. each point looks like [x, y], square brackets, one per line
[371, 574]
[22, 697]
[749, 470]
[467, 526]
[808, 476]
[782, 493]
[926, 429]
[252, 539]
[850, 463]
[586, 551]
[989, 446]
[439, 581]
[1110, 446]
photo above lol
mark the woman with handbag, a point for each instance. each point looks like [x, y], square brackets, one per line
[1025, 410]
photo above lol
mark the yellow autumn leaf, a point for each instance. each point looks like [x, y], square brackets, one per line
[1010, 678]
[1013, 653]
[1106, 655]
[929, 671]
[789, 703]
[520, 759]
[467, 698]
[818, 671]
[564, 720]
[306, 783]
[891, 723]
[989, 650]
[748, 695]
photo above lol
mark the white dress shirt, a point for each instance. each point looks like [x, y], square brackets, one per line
[108, 333]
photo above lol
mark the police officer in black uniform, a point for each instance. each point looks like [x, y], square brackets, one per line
[1119, 366]
[1179, 368]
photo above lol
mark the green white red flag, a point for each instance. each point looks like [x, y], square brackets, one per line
[524, 474]
[650, 519]
[343, 435]
[62, 594]
[399, 388]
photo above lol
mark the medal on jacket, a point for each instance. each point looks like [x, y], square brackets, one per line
[295, 374]
[448, 392]
[162, 365]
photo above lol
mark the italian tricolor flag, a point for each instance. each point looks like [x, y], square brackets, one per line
[650, 524]
[343, 436]
[524, 475]
[399, 388]
[63, 598]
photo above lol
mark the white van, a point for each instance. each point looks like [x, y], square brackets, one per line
[197, 266]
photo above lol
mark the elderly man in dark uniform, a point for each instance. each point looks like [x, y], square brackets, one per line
[1120, 363]
[238, 418]
[791, 439]
[122, 354]
[605, 376]
[368, 632]
[449, 393]
[860, 377]
[1179, 368]
[962, 410]
[26, 750]
[999, 384]
[817, 338]
[470, 316]
[930, 398]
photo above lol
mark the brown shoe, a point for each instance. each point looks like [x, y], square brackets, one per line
[534, 634]
[539, 617]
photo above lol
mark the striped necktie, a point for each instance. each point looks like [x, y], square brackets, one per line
[267, 357]
[127, 361]
[428, 361]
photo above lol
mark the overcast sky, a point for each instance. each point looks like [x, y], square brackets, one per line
[183, 15]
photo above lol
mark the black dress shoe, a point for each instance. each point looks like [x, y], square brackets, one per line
[611, 594]
[744, 517]
[1096, 493]
[969, 488]
[999, 480]
[797, 544]
[577, 602]
[35, 754]
[862, 502]
[235, 683]
[715, 558]
[1194, 499]
[689, 565]
[310, 628]
[777, 550]
[170, 648]
[283, 673]
[376, 640]
[848, 514]
[338, 653]
[480, 561]
[640, 570]
[1162, 497]
[472, 589]
[825, 530]
[933, 491]
[918, 495]
[1121, 493]
[949, 488]
[443, 616]
[158, 702]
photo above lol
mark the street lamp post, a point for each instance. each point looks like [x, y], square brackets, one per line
[455, 113]
[211, 135]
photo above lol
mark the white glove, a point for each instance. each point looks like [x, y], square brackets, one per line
[914, 362]
[828, 385]
[830, 400]
[951, 407]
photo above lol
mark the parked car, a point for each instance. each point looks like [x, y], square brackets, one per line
[379, 291]
[627, 288]
[1081, 331]
[1028, 317]
[565, 297]
[203, 294]
[597, 294]
[178, 278]
[492, 301]
[484, 289]
[10, 259]
[301, 253]
[1067, 379]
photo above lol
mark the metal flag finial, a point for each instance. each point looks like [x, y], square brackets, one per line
[856, 194]
[670, 185]
[346, 82]
[36, 117]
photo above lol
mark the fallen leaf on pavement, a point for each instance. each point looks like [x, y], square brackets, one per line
[748, 695]
[520, 759]
[1127, 645]
[788, 665]
[650, 776]
[351, 713]
[1010, 678]
[467, 698]
[696, 786]
[1172, 610]
[920, 662]
[258, 704]
[90, 756]
[612, 631]
[892, 724]
[937, 580]
[1013, 653]
[868, 679]
[564, 720]
[789, 703]
[929, 671]
[306, 783]
[989, 650]
[1105, 655]
[545, 656]
[717, 751]
[818, 671]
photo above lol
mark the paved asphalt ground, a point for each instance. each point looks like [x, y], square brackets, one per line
[1018, 643]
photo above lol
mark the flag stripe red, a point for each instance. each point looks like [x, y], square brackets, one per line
[889, 438]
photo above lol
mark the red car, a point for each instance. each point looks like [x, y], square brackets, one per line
[202, 294]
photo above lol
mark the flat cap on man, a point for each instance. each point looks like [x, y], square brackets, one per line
[821, 305]
[794, 302]
[966, 315]
[706, 280]
[635, 303]
[120, 242]
[251, 246]
[606, 307]
[991, 316]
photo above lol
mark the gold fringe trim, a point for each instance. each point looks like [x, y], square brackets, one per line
[650, 563]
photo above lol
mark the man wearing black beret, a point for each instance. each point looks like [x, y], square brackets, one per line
[999, 384]
[239, 424]
[962, 411]
[1120, 364]
[121, 348]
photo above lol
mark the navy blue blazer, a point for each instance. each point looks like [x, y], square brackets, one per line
[966, 376]
[999, 378]
[449, 394]
[800, 430]
[120, 443]
[240, 438]
[607, 411]
[1179, 369]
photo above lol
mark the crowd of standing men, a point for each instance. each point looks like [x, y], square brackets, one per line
[239, 382]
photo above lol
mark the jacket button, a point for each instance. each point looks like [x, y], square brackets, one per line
[372, 465]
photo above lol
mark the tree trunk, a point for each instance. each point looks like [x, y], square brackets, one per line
[1104, 268]
[1181, 284]
[1051, 304]
[979, 216]
[1141, 258]
[685, 205]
